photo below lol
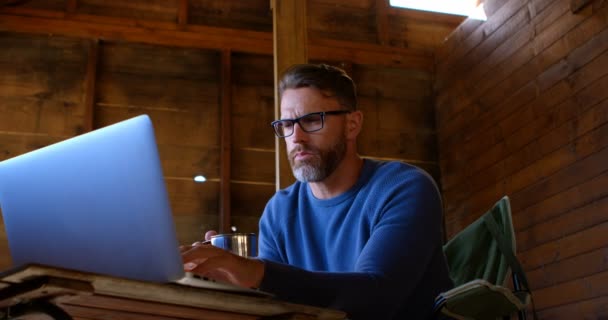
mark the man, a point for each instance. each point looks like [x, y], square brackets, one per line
[358, 235]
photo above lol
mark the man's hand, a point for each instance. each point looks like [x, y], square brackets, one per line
[218, 264]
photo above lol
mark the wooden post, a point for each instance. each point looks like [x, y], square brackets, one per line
[382, 28]
[225, 152]
[89, 85]
[182, 13]
[72, 6]
[290, 47]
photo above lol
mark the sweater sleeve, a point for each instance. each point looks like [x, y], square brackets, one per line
[404, 239]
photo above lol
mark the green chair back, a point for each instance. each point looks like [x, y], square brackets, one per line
[485, 249]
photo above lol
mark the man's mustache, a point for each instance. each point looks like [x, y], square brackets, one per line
[302, 148]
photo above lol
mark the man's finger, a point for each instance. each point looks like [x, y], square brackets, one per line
[184, 248]
[200, 252]
[210, 234]
[209, 267]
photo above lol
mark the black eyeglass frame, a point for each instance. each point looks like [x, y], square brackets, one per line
[297, 120]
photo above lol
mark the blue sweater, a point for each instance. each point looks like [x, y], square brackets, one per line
[374, 252]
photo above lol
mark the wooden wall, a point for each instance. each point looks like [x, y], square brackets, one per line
[67, 67]
[522, 110]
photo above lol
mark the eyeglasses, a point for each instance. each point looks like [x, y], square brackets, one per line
[309, 123]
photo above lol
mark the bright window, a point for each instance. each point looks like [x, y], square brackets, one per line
[468, 8]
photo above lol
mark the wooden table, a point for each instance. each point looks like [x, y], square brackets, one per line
[92, 296]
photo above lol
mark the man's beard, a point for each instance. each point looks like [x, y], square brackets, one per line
[321, 165]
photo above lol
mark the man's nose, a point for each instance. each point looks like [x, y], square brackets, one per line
[298, 133]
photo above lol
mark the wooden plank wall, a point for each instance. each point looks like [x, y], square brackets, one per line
[179, 89]
[41, 96]
[69, 66]
[522, 110]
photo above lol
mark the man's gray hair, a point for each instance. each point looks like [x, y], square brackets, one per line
[331, 81]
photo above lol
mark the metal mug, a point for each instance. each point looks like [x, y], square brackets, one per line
[242, 244]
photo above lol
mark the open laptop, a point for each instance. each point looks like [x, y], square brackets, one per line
[96, 203]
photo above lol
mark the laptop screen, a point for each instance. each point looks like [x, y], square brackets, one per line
[96, 202]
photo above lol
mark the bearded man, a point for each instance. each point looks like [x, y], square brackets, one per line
[355, 234]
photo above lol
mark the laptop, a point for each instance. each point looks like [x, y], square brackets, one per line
[96, 203]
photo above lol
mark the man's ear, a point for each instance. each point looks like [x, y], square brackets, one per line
[354, 124]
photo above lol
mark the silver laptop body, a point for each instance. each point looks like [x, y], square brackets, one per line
[96, 203]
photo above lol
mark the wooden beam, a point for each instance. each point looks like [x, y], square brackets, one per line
[382, 22]
[225, 143]
[90, 83]
[290, 47]
[195, 36]
[363, 53]
[131, 30]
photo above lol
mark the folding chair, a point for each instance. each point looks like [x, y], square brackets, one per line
[480, 257]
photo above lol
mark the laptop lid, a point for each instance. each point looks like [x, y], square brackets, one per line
[96, 202]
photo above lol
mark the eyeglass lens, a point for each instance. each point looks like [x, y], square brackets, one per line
[309, 123]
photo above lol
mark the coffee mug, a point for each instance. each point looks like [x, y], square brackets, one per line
[242, 244]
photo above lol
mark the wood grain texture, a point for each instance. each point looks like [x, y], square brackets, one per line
[42, 85]
[247, 15]
[513, 110]
[154, 10]
[57, 5]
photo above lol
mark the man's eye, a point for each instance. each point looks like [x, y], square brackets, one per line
[311, 119]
